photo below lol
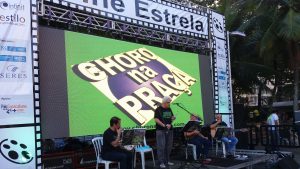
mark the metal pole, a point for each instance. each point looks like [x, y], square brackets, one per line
[230, 84]
[210, 38]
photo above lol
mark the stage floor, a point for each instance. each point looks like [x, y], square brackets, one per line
[256, 160]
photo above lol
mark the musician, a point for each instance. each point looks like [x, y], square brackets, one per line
[230, 141]
[201, 142]
[111, 149]
[164, 131]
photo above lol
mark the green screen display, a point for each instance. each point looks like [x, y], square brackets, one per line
[107, 77]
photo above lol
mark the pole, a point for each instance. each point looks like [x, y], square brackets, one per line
[230, 80]
[296, 90]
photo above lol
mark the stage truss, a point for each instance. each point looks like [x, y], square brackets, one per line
[52, 13]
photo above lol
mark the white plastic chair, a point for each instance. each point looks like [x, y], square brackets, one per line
[223, 147]
[98, 142]
[193, 150]
[142, 149]
[219, 142]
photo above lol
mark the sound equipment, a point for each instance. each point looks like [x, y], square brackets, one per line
[288, 163]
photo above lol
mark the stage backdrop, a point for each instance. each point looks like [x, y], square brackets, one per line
[86, 80]
[109, 77]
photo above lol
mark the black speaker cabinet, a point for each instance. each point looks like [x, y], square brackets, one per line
[288, 163]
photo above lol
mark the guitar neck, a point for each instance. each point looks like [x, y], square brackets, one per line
[237, 130]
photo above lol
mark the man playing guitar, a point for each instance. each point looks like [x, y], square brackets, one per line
[202, 143]
[229, 140]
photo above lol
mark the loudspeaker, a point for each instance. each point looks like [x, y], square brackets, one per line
[288, 163]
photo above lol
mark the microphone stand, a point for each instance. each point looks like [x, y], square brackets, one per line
[183, 108]
[180, 105]
[189, 163]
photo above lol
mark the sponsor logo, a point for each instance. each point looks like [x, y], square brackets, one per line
[12, 58]
[12, 68]
[15, 152]
[12, 19]
[5, 5]
[13, 108]
[13, 72]
[12, 48]
[135, 81]
[218, 25]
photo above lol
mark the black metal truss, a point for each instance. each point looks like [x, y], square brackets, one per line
[53, 13]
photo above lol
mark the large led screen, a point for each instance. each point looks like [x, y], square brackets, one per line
[87, 79]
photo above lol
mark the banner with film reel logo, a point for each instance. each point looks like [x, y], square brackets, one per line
[17, 144]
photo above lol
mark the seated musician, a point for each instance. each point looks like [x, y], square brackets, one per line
[201, 142]
[111, 149]
[229, 140]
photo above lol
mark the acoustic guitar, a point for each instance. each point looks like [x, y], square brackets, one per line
[214, 131]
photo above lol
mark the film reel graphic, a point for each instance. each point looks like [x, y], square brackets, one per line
[218, 25]
[15, 152]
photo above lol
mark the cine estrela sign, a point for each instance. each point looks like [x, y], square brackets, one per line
[157, 14]
[135, 81]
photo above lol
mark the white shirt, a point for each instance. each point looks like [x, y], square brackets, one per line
[271, 120]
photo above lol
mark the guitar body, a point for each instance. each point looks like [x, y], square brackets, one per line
[205, 131]
[214, 131]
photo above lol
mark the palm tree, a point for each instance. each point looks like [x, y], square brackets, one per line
[283, 36]
[273, 33]
[271, 49]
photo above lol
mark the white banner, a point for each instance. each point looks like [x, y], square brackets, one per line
[218, 32]
[222, 76]
[17, 144]
[155, 14]
[16, 102]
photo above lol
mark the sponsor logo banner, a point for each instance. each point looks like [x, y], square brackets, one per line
[222, 76]
[218, 30]
[15, 50]
[165, 15]
[135, 81]
[16, 102]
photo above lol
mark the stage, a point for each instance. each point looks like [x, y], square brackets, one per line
[85, 159]
[256, 159]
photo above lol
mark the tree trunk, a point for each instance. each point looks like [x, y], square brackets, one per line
[296, 84]
[259, 96]
[296, 57]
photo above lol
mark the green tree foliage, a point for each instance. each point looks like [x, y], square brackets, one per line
[270, 51]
